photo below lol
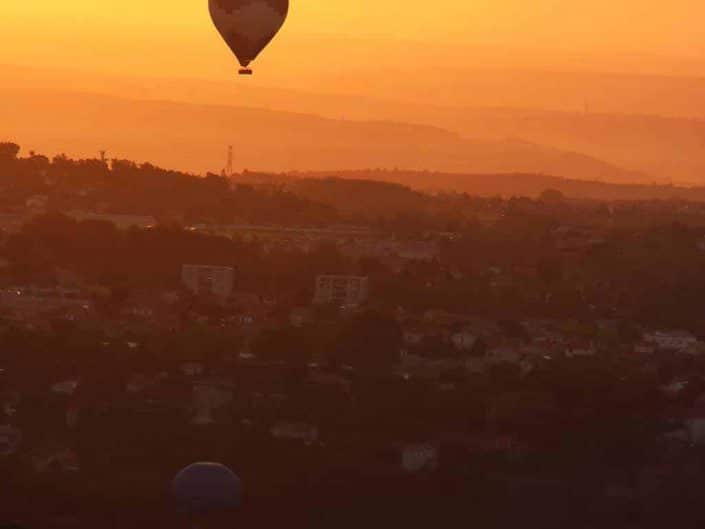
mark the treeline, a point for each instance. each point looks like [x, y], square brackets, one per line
[380, 199]
[519, 184]
[99, 253]
[124, 187]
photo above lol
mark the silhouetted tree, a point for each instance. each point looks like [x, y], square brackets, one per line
[8, 152]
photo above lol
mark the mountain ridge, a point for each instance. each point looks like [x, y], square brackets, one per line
[194, 137]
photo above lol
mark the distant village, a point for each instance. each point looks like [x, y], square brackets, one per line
[552, 348]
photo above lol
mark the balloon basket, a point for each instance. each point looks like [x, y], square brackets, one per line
[245, 71]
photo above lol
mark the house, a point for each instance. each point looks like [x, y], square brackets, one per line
[9, 402]
[671, 340]
[535, 351]
[37, 203]
[341, 290]
[695, 422]
[417, 366]
[295, 431]
[65, 387]
[63, 460]
[644, 348]
[425, 251]
[10, 439]
[700, 245]
[479, 443]
[389, 249]
[73, 414]
[673, 389]
[417, 458]
[322, 378]
[551, 341]
[576, 238]
[503, 354]
[122, 222]
[526, 366]
[575, 350]
[30, 301]
[413, 336]
[191, 369]
[697, 349]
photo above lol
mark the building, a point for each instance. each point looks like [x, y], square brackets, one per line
[571, 239]
[671, 340]
[10, 439]
[580, 350]
[417, 458]
[695, 422]
[209, 280]
[701, 245]
[503, 354]
[644, 348]
[63, 460]
[341, 290]
[375, 247]
[31, 300]
[295, 431]
[122, 222]
[37, 203]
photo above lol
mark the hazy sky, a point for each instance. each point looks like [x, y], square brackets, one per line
[676, 24]
[175, 36]
[377, 54]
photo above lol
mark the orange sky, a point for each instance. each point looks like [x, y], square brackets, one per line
[174, 37]
[397, 60]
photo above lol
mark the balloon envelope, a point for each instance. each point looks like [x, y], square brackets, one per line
[248, 25]
[204, 488]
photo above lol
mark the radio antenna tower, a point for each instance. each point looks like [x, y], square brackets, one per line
[228, 171]
[104, 158]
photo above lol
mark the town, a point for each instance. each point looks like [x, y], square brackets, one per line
[327, 334]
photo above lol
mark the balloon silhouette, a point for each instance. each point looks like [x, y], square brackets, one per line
[247, 26]
[206, 488]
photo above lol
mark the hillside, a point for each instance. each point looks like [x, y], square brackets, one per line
[653, 125]
[488, 185]
[193, 137]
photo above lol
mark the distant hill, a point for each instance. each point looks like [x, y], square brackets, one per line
[396, 81]
[371, 198]
[507, 185]
[648, 124]
[668, 148]
[194, 137]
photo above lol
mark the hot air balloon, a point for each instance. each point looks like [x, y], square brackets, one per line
[247, 26]
[202, 489]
